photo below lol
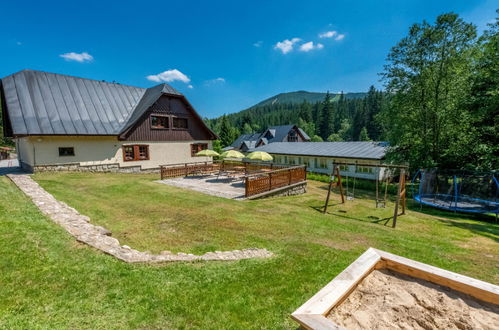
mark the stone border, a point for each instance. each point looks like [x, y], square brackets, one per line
[79, 227]
[77, 167]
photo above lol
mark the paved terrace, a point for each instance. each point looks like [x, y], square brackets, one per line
[210, 185]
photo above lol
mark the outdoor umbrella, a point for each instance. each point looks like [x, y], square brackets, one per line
[207, 153]
[259, 155]
[232, 154]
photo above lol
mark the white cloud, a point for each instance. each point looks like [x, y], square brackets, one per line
[169, 76]
[286, 45]
[308, 46]
[328, 34]
[78, 57]
[216, 81]
[339, 37]
[258, 44]
[190, 86]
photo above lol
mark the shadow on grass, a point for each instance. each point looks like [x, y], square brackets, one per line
[368, 219]
[485, 230]
[485, 224]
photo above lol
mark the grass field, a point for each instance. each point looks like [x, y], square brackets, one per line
[48, 280]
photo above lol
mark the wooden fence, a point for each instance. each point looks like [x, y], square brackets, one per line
[198, 168]
[262, 182]
[258, 177]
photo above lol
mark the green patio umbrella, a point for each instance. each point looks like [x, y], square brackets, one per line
[232, 154]
[259, 155]
[208, 153]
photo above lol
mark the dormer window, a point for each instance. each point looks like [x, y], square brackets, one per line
[160, 122]
[180, 123]
[292, 137]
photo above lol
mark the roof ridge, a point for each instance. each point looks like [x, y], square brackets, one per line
[72, 76]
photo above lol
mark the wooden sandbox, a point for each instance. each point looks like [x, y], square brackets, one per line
[383, 290]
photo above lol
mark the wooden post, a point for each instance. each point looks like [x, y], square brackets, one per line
[403, 196]
[399, 191]
[340, 184]
[331, 182]
[289, 177]
[246, 187]
[270, 181]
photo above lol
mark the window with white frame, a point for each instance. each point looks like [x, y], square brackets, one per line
[344, 168]
[364, 169]
[322, 163]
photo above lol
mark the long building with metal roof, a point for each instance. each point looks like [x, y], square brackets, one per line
[321, 156]
[65, 121]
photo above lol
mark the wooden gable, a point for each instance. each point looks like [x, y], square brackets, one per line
[175, 110]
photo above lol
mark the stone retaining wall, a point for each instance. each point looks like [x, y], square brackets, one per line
[76, 167]
[296, 189]
[100, 238]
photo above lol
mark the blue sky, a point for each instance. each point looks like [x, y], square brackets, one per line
[223, 55]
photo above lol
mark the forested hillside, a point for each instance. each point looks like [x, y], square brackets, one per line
[335, 117]
[304, 96]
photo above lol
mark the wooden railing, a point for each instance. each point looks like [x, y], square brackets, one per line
[197, 168]
[258, 177]
[263, 182]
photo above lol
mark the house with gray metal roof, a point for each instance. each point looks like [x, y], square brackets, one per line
[283, 133]
[65, 122]
[320, 156]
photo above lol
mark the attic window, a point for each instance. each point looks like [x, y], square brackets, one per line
[160, 122]
[180, 123]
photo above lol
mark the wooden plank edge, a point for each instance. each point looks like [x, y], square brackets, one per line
[315, 322]
[341, 286]
[478, 289]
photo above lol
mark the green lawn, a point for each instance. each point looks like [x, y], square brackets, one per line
[48, 280]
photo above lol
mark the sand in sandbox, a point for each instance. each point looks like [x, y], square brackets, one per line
[389, 300]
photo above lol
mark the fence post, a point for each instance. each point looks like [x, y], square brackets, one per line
[161, 171]
[270, 181]
[246, 183]
[289, 177]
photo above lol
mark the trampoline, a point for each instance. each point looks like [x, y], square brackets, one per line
[457, 190]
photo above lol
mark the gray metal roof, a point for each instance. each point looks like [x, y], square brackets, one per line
[359, 150]
[276, 134]
[245, 137]
[42, 103]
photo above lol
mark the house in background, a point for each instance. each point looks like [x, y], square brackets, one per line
[61, 122]
[320, 156]
[284, 133]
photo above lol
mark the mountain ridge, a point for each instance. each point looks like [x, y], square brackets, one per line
[300, 96]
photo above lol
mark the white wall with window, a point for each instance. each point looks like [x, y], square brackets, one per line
[325, 165]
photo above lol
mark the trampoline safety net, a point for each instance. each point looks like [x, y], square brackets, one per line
[458, 191]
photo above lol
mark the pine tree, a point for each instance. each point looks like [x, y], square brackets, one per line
[327, 114]
[363, 136]
[247, 129]
[226, 132]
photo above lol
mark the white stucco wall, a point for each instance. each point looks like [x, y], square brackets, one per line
[24, 151]
[99, 150]
[300, 160]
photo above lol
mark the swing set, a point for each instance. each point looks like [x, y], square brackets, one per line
[386, 177]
